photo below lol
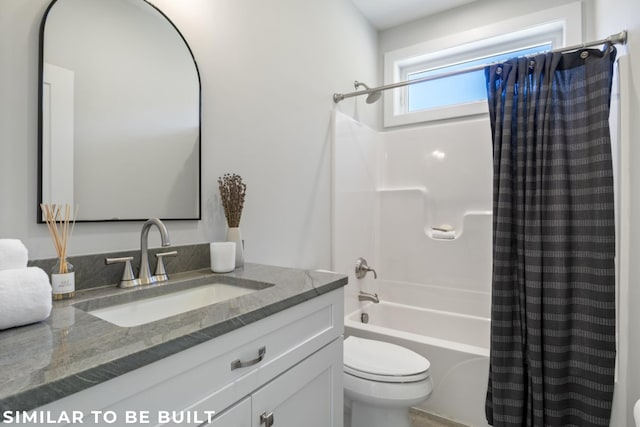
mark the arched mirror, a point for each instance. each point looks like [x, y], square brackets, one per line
[119, 125]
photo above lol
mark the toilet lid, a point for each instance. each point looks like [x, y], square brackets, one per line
[383, 361]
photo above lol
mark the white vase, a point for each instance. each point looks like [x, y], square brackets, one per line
[235, 235]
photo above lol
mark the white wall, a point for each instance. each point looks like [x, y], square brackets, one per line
[268, 71]
[467, 17]
[605, 17]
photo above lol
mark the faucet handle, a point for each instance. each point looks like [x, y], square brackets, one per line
[161, 273]
[362, 268]
[128, 279]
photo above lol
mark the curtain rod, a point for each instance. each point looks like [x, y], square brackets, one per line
[620, 38]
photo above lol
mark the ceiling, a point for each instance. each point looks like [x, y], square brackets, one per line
[385, 14]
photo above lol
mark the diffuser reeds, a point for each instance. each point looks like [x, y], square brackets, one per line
[61, 222]
[232, 192]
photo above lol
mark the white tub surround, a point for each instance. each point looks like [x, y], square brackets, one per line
[412, 204]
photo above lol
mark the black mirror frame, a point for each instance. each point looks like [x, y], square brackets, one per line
[40, 121]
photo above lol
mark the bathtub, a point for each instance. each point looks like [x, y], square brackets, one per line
[456, 344]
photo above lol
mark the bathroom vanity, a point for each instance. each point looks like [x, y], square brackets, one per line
[269, 357]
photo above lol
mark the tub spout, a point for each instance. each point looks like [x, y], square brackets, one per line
[366, 296]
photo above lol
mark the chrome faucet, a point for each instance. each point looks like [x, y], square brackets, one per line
[144, 275]
[366, 296]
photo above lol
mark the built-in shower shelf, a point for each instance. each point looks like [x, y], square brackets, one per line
[457, 232]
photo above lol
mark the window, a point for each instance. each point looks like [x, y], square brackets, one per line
[458, 88]
[460, 95]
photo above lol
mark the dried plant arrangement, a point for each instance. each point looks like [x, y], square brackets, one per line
[232, 192]
[60, 228]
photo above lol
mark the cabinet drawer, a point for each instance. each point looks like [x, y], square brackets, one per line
[237, 416]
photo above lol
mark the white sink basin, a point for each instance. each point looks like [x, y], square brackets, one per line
[136, 313]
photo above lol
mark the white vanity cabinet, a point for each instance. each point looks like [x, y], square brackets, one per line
[286, 367]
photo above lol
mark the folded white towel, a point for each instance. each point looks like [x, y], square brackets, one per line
[13, 254]
[25, 296]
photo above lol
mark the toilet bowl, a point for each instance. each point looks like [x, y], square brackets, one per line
[382, 381]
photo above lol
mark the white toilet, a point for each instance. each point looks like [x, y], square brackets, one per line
[381, 381]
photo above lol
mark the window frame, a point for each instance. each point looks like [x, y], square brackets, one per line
[561, 26]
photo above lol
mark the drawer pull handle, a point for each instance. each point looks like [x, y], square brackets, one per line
[266, 419]
[236, 364]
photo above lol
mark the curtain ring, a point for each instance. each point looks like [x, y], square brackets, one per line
[499, 70]
[584, 54]
[532, 64]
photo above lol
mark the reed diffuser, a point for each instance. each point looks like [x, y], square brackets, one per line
[232, 193]
[61, 221]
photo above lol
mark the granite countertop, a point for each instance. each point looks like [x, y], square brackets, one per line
[73, 350]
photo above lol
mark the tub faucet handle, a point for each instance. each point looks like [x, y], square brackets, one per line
[362, 268]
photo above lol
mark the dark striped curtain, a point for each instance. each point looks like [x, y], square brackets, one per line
[553, 294]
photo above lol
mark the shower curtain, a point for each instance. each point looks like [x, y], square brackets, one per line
[553, 294]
